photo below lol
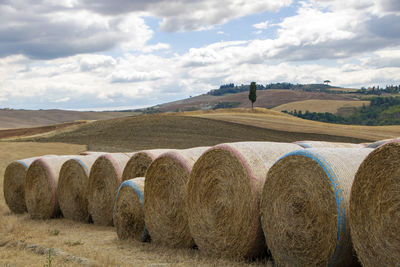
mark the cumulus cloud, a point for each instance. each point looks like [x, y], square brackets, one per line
[51, 31]
[187, 15]
[262, 25]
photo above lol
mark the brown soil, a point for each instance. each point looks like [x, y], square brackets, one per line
[165, 131]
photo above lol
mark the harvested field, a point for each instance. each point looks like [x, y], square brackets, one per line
[305, 207]
[25, 242]
[274, 120]
[173, 131]
[322, 106]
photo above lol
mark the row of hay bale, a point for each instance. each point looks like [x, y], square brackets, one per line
[237, 199]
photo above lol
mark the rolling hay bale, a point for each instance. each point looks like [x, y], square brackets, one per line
[305, 207]
[321, 144]
[72, 187]
[382, 142]
[223, 197]
[40, 187]
[164, 197]
[128, 215]
[13, 184]
[139, 162]
[375, 208]
[104, 180]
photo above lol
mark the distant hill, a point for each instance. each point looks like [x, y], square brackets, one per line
[177, 131]
[265, 99]
[13, 118]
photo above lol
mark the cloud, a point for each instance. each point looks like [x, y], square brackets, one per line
[262, 25]
[52, 31]
[187, 15]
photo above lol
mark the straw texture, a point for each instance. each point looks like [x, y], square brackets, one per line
[321, 144]
[13, 184]
[375, 208]
[128, 213]
[164, 195]
[305, 207]
[223, 197]
[40, 187]
[139, 162]
[104, 180]
[72, 187]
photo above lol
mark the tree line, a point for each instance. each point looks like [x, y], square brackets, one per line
[381, 111]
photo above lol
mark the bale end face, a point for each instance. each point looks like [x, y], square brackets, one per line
[72, 191]
[375, 208]
[104, 180]
[137, 166]
[13, 186]
[165, 191]
[128, 213]
[40, 192]
[222, 214]
[299, 213]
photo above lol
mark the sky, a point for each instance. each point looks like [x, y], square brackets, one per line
[105, 55]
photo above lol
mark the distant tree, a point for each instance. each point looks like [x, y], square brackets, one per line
[327, 82]
[253, 93]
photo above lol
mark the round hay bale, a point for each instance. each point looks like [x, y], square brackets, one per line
[40, 187]
[139, 162]
[13, 184]
[223, 197]
[104, 180]
[72, 187]
[164, 197]
[128, 215]
[305, 207]
[382, 142]
[321, 144]
[375, 208]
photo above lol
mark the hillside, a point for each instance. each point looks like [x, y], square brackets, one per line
[12, 118]
[173, 131]
[265, 99]
[275, 120]
[339, 107]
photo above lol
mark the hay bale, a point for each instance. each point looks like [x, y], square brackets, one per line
[128, 215]
[375, 208]
[305, 207]
[316, 144]
[164, 195]
[40, 187]
[382, 142]
[223, 195]
[139, 162]
[13, 184]
[104, 180]
[73, 185]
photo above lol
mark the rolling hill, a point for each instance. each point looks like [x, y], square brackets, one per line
[265, 99]
[176, 131]
[12, 118]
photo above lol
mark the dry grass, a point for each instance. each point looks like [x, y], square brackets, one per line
[314, 105]
[96, 243]
[275, 120]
